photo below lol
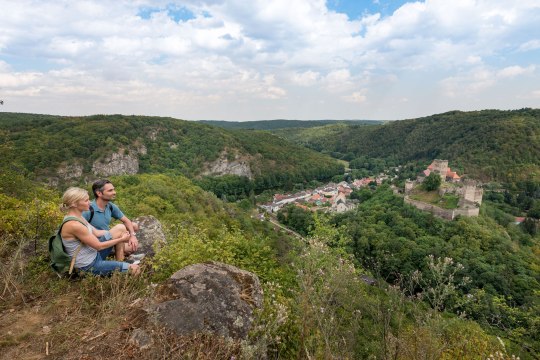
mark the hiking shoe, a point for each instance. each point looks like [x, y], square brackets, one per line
[136, 257]
[132, 262]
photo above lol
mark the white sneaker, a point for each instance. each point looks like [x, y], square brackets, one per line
[136, 257]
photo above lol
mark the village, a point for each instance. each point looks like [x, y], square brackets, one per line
[335, 197]
[331, 197]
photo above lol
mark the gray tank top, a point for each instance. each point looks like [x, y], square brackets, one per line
[86, 255]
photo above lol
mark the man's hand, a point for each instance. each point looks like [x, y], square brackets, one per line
[133, 242]
[125, 237]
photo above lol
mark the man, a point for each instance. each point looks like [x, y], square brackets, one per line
[103, 211]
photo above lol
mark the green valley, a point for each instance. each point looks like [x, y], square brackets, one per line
[383, 280]
[488, 145]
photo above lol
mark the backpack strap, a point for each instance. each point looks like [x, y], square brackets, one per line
[74, 257]
[72, 263]
[91, 213]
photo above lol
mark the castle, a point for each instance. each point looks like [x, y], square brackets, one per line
[470, 195]
[441, 167]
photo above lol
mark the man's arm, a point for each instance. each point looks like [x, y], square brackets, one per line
[133, 242]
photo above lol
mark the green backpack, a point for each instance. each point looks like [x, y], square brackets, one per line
[60, 261]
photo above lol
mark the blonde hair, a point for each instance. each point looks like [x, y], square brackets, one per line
[71, 196]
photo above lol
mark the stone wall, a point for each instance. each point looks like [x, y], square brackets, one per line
[447, 214]
[467, 212]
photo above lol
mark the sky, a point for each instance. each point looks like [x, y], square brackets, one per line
[241, 60]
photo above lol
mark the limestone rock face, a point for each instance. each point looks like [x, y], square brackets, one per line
[223, 166]
[70, 171]
[119, 163]
[210, 297]
[150, 235]
[65, 172]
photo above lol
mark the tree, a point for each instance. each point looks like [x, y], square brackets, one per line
[432, 182]
[534, 212]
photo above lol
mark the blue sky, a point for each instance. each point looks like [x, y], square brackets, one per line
[355, 9]
[248, 60]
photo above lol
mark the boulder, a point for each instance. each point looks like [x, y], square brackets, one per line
[211, 297]
[150, 235]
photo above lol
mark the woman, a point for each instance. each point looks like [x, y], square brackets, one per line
[74, 234]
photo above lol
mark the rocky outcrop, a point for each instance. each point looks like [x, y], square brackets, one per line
[152, 134]
[224, 166]
[212, 297]
[65, 172]
[150, 235]
[69, 171]
[141, 149]
[123, 162]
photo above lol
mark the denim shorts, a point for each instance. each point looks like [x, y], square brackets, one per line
[105, 252]
[105, 267]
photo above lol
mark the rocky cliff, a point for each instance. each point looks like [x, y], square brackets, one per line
[122, 162]
[224, 165]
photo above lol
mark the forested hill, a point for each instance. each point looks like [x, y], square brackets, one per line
[284, 124]
[46, 145]
[487, 145]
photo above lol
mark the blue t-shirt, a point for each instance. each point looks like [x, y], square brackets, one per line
[102, 219]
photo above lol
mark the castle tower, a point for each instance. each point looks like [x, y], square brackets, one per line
[440, 167]
[409, 185]
[472, 193]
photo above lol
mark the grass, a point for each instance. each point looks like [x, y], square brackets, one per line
[448, 201]
[43, 316]
[431, 197]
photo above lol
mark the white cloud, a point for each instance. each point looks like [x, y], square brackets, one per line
[356, 97]
[16, 80]
[307, 78]
[234, 52]
[474, 60]
[530, 45]
[513, 71]
[535, 94]
[481, 78]
[274, 92]
[338, 80]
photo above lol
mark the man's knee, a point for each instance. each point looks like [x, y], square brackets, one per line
[118, 230]
[119, 227]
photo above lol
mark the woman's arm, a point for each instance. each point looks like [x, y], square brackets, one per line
[97, 233]
[79, 231]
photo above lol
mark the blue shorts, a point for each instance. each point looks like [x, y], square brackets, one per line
[105, 267]
[105, 252]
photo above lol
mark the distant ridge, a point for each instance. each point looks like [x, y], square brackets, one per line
[46, 145]
[284, 124]
[501, 145]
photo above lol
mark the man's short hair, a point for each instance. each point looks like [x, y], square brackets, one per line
[99, 185]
